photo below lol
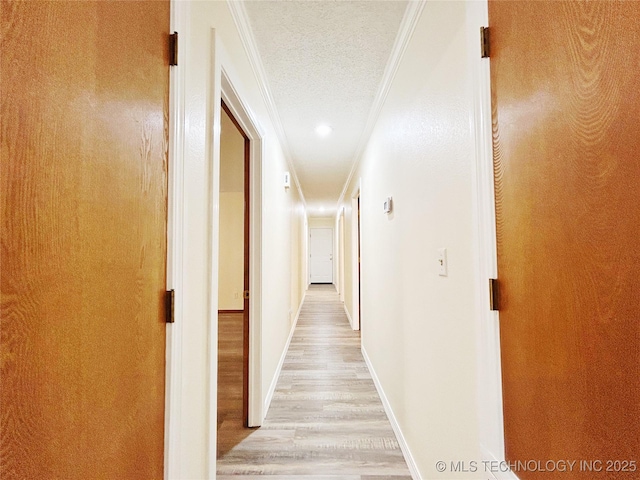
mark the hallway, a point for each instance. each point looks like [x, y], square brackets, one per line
[326, 421]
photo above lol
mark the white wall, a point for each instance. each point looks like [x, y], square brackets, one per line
[281, 209]
[204, 24]
[298, 260]
[321, 222]
[231, 256]
[418, 328]
[231, 252]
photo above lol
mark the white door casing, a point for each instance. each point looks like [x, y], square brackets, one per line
[488, 331]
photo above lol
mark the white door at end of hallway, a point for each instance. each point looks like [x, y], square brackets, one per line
[321, 255]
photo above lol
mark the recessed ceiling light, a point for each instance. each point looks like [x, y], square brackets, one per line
[322, 209]
[323, 130]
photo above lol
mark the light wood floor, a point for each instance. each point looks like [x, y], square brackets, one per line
[326, 421]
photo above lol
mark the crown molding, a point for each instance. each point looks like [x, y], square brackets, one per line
[241, 19]
[405, 32]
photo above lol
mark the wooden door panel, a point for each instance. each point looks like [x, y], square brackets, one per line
[566, 110]
[84, 118]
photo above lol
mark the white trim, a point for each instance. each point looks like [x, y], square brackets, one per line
[225, 83]
[241, 20]
[276, 375]
[489, 457]
[490, 412]
[175, 246]
[407, 26]
[348, 316]
[408, 456]
[305, 240]
[212, 149]
[355, 238]
[304, 277]
[253, 130]
[336, 257]
[340, 222]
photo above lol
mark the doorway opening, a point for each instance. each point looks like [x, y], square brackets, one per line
[233, 283]
[341, 255]
[359, 270]
[355, 256]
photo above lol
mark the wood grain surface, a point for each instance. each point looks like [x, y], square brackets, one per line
[83, 220]
[326, 421]
[566, 121]
[231, 361]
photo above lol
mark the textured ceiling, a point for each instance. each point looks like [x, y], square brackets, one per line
[324, 61]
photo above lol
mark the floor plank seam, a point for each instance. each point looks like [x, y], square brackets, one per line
[326, 420]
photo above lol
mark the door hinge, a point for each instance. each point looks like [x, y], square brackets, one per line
[484, 42]
[494, 294]
[169, 306]
[173, 49]
[245, 294]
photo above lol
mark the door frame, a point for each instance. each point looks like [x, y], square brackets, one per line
[490, 405]
[340, 242]
[246, 240]
[179, 14]
[356, 244]
[250, 127]
[224, 86]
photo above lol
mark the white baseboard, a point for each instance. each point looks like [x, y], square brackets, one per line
[490, 457]
[276, 375]
[344, 305]
[413, 468]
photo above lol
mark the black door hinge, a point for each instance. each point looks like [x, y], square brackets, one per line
[494, 294]
[484, 42]
[173, 49]
[170, 306]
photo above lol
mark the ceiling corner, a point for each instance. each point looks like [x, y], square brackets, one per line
[241, 19]
[405, 32]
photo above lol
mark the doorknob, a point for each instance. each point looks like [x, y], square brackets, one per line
[330, 256]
